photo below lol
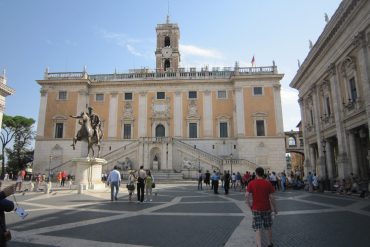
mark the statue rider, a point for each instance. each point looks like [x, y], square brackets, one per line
[95, 123]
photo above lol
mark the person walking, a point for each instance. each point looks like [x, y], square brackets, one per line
[215, 178]
[149, 180]
[310, 182]
[114, 180]
[227, 182]
[283, 181]
[131, 185]
[200, 180]
[207, 178]
[141, 184]
[263, 204]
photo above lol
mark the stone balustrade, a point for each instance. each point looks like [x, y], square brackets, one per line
[181, 73]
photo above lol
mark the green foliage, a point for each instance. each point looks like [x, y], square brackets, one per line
[19, 130]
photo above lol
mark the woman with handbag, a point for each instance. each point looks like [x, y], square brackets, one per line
[131, 184]
[149, 182]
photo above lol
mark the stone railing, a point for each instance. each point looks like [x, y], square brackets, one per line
[155, 139]
[120, 152]
[181, 73]
[202, 155]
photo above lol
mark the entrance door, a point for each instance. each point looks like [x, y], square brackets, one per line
[160, 131]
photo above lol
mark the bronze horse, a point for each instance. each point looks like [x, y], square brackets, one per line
[87, 134]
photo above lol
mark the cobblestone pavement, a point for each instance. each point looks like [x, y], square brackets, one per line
[180, 215]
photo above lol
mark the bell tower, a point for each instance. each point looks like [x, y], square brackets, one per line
[167, 53]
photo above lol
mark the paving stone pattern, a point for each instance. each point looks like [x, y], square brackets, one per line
[180, 215]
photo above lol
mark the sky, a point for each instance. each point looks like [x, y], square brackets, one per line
[110, 35]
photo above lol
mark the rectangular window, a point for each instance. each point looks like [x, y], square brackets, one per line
[260, 125]
[352, 86]
[311, 116]
[127, 131]
[257, 91]
[62, 95]
[99, 97]
[128, 96]
[59, 130]
[193, 133]
[161, 95]
[223, 130]
[192, 94]
[221, 94]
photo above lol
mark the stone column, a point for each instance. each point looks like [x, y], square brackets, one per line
[239, 105]
[142, 117]
[113, 110]
[177, 115]
[278, 111]
[207, 114]
[82, 103]
[307, 164]
[353, 153]
[320, 166]
[164, 164]
[42, 112]
[169, 155]
[338, 109]
[313, 159]
[329, 160]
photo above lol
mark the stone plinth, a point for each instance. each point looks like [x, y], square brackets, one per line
[88, 173]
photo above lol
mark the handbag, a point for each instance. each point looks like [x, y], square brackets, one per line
[153, 185]
[130, 186]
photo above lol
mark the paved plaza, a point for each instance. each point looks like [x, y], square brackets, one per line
[180, 215]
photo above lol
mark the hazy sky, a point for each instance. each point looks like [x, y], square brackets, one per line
[120, 34]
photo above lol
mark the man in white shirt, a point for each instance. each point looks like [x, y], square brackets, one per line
[140, 184]
[114, 179]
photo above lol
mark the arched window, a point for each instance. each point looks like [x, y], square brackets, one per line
[291, 141]
[160, 131]
[167, 64]
[167, 41]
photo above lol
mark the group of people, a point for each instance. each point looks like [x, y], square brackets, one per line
[140, 180]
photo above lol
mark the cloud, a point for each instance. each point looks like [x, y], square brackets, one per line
[192, 50]
[291, 111]
[136, 47]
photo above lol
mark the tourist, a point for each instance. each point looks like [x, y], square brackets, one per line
[141, 184]
[207, 178]
[59, 177]
[263, 204]
[18, 183]
[233, 181]
[131, 185]
[283, 181]
[227, 182]
[5, 206]
[149, 181]
[239, 180]
[273, 179]
[310, 182]
[215, 178]
[200, 180]
[114, 179]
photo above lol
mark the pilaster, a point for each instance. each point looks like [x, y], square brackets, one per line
[278, 111]
[207, 114]
[142, 117]
[239, 105]
[42, 112]
[177, 115]
[113, 110]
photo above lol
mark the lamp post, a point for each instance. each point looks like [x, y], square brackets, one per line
[231, 163]
[50, 159]
[327, 183]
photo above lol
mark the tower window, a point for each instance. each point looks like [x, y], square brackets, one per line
[167, 41]
[128, 96]
[257, 91]
[167, 64]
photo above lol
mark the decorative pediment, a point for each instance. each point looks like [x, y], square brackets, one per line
[259, 115]
[161, 108]
[59, 118]
[193, 109]
[348, 66]
[128, 111]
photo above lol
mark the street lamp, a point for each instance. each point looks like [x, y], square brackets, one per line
[231, 163]
[327, 183]
[50, 158]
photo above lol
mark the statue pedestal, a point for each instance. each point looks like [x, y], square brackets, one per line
[88, 173]
[155, 165]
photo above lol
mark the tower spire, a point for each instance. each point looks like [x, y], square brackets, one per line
[168, 12]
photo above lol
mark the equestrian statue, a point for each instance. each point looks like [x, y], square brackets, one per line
[90, 130]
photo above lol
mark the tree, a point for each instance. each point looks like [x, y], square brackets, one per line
[18, 128]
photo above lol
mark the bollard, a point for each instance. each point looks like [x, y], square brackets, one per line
[80, 189]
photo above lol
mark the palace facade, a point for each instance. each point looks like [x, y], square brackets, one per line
[334, 95]
[4, 92]
[169, 119]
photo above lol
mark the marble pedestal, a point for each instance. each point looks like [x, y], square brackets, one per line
[88, 173]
